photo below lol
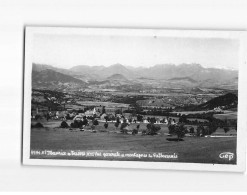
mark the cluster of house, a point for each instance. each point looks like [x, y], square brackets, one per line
[218, 109]
[96, 113]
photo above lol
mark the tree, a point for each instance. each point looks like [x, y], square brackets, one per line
[135, 131]
[183, 119]
[181, 131]
[178, 130]
[75, 124]
[47, 116]
[118, 111]
[235, 125]
[192, 130]
[171, 129]
[212, 127]
[106, 118]
[139, 117]
[95, 123]
[116, 125]
[124, 126]
[37, 125]
[152, 129]
[207, 131]
[85, 121]
[111, 118]
[200, 130]
[37, 117]
[106, 125]
[152, 120]
[226, 129]
[103, 110]
[79, 124]
[64, 124]
[204, 131]
[68, 117]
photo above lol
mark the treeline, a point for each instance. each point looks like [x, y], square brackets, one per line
[128, 99]
[168, 113]
[51, 106]
[48, 93]
[228, 101]
[211, 121]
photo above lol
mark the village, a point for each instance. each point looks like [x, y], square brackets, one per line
[57, 107]
[59, 104]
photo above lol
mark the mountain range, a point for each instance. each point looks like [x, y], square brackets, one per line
[162, 75]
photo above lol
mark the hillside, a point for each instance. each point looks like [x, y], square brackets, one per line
[183, 79]
[41, 67]
[117, 77]
[228, 100]
[50, 76]
[118, 69]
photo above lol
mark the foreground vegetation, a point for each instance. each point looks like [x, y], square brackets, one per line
[191, 149]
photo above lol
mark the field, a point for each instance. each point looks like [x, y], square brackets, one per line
[107, 104]
[191, 149]
[190, 112]
[227, 115]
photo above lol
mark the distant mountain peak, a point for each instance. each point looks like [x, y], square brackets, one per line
[190, 65]
[117, 65]
[163, 66]
[116, 77]
[186, 74]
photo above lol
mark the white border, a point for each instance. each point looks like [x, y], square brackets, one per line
[242, 106]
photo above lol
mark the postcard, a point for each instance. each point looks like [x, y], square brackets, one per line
[135, 98]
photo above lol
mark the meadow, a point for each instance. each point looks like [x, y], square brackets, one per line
[226, 116]
[190, 150]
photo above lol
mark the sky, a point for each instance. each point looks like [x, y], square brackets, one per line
[66, 51]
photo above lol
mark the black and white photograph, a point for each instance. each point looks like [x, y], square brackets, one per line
[137, 98]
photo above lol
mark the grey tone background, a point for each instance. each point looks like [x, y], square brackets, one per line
[223, 14]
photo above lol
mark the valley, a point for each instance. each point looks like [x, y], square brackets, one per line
[201, 101]
[169, 88]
